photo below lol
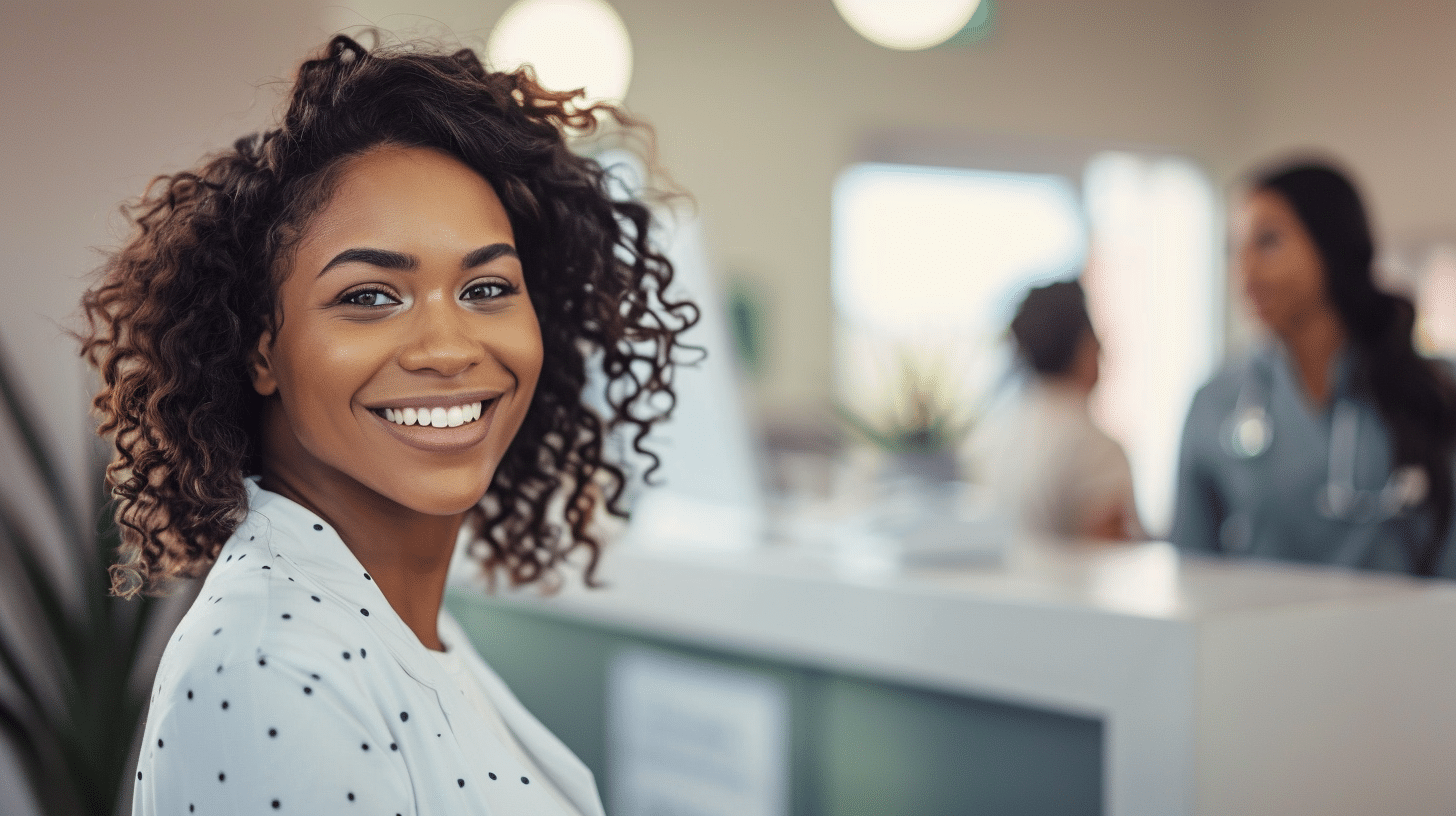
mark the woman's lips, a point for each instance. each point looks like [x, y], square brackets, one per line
[454, 434]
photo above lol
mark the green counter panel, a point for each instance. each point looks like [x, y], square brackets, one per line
[858, 747]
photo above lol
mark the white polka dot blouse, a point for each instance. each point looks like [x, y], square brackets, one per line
[291, 686]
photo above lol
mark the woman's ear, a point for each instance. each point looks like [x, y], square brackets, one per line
[260, 368]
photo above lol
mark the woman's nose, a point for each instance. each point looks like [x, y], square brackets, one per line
[440, 339]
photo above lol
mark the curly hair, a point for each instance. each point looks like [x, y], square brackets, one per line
[181, 304]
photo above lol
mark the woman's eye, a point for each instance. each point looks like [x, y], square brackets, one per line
[369, 297]
[488, 290]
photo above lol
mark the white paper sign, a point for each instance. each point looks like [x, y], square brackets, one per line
[690, 738]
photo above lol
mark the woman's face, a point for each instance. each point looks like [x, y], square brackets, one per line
[1280, 267]
[408, 351]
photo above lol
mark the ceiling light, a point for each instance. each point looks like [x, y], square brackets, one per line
[907, 25]
[571, 44]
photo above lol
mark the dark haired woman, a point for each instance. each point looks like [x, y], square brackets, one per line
[326, 352]
[1052, 469]
[1334, 443]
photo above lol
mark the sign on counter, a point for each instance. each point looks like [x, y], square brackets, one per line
[692, 738]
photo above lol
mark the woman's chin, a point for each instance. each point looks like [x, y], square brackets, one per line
[1272, 320]
[437, 499]
[445, 505]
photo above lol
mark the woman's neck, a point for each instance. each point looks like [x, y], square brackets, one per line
[1312, 346]
[406, 553]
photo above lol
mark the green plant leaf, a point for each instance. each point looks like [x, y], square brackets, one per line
[29, 680]
[89, 642]
[52, 798]
[50, 612]
[923, 417]
[41, 460]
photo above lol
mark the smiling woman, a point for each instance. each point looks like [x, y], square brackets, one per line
[326, 352]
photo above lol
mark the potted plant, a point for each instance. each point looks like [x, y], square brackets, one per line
[73, 677]
[920, 428]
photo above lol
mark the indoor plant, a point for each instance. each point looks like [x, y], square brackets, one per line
[73, 679]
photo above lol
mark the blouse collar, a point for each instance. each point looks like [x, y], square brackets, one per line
[315, 549]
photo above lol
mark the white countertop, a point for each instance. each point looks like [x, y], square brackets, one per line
[1223, 686]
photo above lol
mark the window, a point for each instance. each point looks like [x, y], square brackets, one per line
[1435, 298]
[1154, 287]
[929, 263]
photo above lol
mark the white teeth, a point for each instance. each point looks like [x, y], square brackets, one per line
[452, 417]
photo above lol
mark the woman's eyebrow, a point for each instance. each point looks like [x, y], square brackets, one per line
[382, 258]
[486, 254]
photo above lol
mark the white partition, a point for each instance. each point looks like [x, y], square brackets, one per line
[706, 490]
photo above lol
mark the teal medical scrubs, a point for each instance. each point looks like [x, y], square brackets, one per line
[1268, 505]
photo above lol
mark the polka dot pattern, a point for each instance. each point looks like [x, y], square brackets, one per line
[279, 648]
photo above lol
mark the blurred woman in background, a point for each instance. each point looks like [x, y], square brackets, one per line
[1050, 467]
[1332, 443]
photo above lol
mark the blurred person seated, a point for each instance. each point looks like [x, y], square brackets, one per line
[1048, 466]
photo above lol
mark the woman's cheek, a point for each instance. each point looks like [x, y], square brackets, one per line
[523, 351]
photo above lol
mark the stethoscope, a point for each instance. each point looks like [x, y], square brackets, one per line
[1248, 432]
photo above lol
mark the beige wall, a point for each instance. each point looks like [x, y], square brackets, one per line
[1373, 82]
[96, 98]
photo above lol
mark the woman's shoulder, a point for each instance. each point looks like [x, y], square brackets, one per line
[257, 609]
[269, 693]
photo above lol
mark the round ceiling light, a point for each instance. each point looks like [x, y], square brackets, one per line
[907, 25]
[571, 44]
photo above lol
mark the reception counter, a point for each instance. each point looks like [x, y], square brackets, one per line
[1213, 687]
